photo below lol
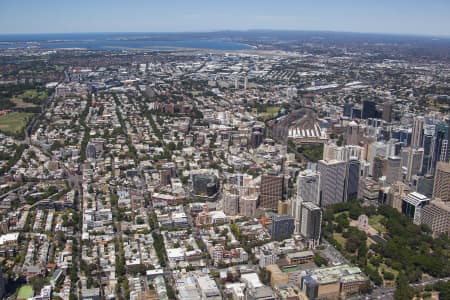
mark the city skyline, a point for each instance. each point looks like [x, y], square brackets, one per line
[402, 17]
[224, 150]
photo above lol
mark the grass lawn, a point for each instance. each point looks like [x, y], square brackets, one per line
[339, 238]
[31, 94]
[25, 292]
[22, 104]
[270, 112]
[339, 213]
[14, 122]
[375, 222]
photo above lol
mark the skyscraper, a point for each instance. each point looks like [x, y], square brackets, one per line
[352, 179]
[91, 152]
[247, 205]
[369, 109]
[394, 169]
[308, 186]
[379, 167]
[284, 207]
[437, 216]
[414, 163]
[310, 223]
[440, 144]
[412, 206]
[271, 191]
[164, 176]
[348, 109]
[230, 203]
[332, 181]
[376, 149]
[308, 190]
[354, 134]
[256, 139]
[387, 111]
[282, 227]
[428, 149]
[424, 185]
[441, 187]
[417, 132]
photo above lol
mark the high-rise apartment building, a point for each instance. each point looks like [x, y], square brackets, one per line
[247, 205]
[437, 216]
[441, 187]
[271, 191]
[230, 203]
[165, 176]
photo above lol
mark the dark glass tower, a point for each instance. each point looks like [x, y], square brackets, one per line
[369, 109]
[352, 179]
[440, 144]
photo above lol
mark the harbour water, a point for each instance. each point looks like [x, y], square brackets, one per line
[111, 41]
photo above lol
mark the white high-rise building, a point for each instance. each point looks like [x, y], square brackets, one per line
[412, 206]
[332, 181]
[332, 151]
[308, 190]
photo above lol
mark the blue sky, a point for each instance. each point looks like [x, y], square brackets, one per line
[430, 17]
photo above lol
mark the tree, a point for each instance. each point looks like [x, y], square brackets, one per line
[37, 282]
[172, 146]
[388, 276]
[374, 275]
[170, 291]
[354, 212]
[319, 260]
[342, 220]
[403, 291]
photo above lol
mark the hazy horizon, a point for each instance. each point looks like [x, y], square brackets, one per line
[256, 30]
[401, 17]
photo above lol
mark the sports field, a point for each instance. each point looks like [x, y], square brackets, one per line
[14, 122]
[25, 292]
